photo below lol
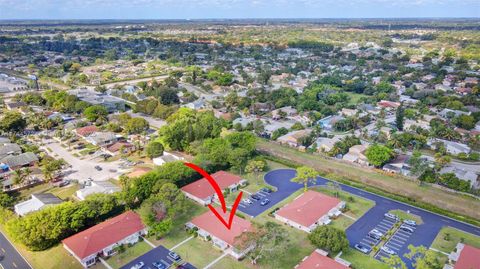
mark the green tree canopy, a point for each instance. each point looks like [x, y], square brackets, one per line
[329, 238]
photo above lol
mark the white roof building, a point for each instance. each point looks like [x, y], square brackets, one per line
[37, 202]
[97, 187]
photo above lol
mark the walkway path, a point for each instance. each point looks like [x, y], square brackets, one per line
[215, 261]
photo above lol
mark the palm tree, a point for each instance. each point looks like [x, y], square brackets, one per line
[306, 175]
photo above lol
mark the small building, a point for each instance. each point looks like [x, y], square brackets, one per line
[310, 210]
[209, 228]
[37, 202]
[22, 160]
[167, 157]
[319, 260]
[121, 147]
[356, 154]
[325, 144]
[451, 147]
[202, 192]
[293, 139]
[328, 123]
[102, 139]
[86, 131]
[102, 239]
[9, 149]
[463, 174]
[388, 104]
[97, 187]
[399, 165]
[464, 257]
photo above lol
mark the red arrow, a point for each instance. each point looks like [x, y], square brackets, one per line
[217, 189]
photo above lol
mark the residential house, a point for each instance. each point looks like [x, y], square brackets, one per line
[463, 174]
[388, 104]
[167, 157]
[86, 131]
[356, 154]
[209, 228]
[103, 239]
[9, 149]
[447, 113]
[120, 147]
[325, 144]
[451, 147]
[293, 139]
[97, 187]
[288, 111]
[202, 192]
[102, 139]
[111, 103]
[310, 210]
[328, 123]
[15, 105]
[349, 112]
[319, 260]
[464, 257]
[22, 160]
[37, 202]
[399, 165]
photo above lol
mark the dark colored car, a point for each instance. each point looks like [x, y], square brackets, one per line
[98, 168]
[267, 190]
[174, 256]
[255, 197]
[159, 265]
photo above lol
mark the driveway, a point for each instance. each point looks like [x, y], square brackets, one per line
[158, 254]
[424, 234]
[84, 169]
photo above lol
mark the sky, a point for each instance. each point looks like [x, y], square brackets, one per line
[205, 9]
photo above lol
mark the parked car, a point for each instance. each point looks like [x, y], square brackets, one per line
[138, 265]
[410, 222]
[375, 234]
[267, 190]
[64, 183]
[174, 256]
[255, 197]
[406, 228]
[98, 168]
[391, 216]
[362, 248]
[388, 250]
[247, 201]
[159, 265]
[265, 202]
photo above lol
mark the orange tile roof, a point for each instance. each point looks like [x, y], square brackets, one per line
[318, 261]
[202, 188]
[307, 208]
[209, 222]
[100, 236]
[469, 258]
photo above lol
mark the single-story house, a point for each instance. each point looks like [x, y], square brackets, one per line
[37, 202]
[9, 149]
[464, 257]
[209, 228]
[21, 160]
[121, 147]
[463, 174]
[356, 154]
[102, 239]
[319, 260]
[310, 210]
[399, 165]
[388, 104]
[202, 192]
[292, 139]
[325, 144]
[15, 105]
[167, 157]
[451, 147]
[97, 187]
[102, 138]
[327, 123]
[86, 131]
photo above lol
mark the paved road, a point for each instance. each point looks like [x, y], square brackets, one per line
[9, 256]
[424, 234]
[158, 254]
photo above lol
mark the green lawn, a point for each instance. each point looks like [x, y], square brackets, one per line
[198, 252]
[362, 261]
[256, 182]
[447, 243]
[230, 263]
[65, 192]
[404, 215]
[129, 254]
[355, 97]
[178, 233]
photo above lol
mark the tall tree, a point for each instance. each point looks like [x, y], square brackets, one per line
[305, 175]
[329, 238]
[400, 117]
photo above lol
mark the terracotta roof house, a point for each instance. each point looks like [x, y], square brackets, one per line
[319, 260]
[102, 239]
[292, 139]
[119, 148]
[388, 104]
[86, 131]
[202, 192]
[210, 228]
[309, 210]
[464, 257]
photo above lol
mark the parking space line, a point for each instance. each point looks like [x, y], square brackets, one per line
[402, 242]
[403, 235]
[393, 243]
[368, 242]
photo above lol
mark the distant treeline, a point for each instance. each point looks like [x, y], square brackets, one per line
[305, 44]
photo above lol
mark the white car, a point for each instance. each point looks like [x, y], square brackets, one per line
[410, 222]
[391, 216]
[388, 250]
[247, 201]
[139, 265]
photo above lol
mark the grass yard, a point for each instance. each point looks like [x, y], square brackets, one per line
[256, 182]
[362, 261]
[65, 192]
[198, 252]
[230, 263]
[405, 215]
[448, 238]
[178, 233]
[129, 254]
[394, 184]
[355, 97]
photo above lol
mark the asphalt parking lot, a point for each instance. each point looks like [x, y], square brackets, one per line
[158, 254]
[398, 240]
[256, 206]
[383, 226]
